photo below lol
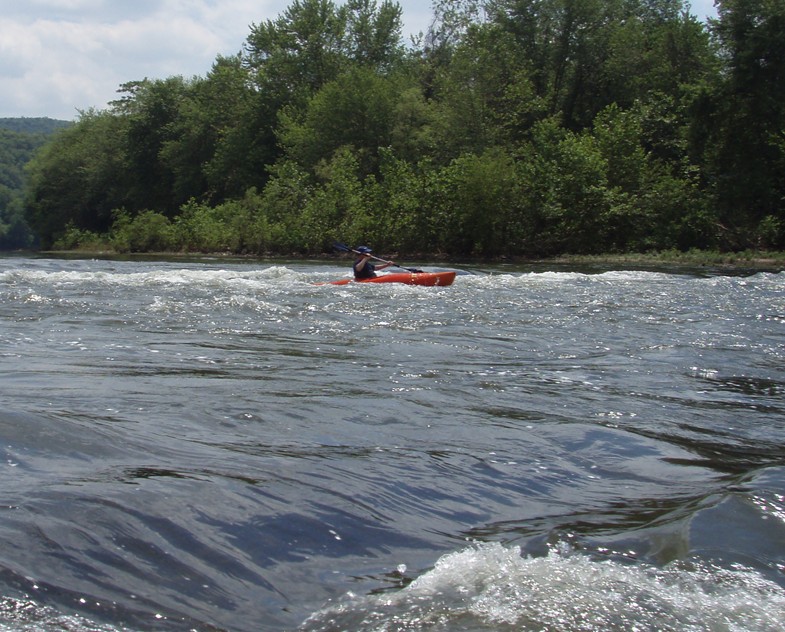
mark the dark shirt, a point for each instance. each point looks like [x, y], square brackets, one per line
[368, 271]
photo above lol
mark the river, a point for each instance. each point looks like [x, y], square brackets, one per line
[224, 445]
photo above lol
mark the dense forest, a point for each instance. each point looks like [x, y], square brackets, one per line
[510, 128]
[19, 140]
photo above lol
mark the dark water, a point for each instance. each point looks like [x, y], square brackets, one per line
[218, 445]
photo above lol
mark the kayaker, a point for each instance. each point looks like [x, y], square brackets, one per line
[363, 268]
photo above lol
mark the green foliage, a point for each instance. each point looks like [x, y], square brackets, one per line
[745, 107]
[339, 206]
[299, 52]
[373, 34]
[78, 178]
[404, 220]
[149, 231]
[14, 231]
[20, 138]
[74, 238]
[473, 205]
[771, 233]
[227, 227]
[355, 110]
[237, 141]
[152, 115]
[281, 206]
[511, 128]
[578, 204]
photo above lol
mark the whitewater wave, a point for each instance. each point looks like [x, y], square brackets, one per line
[493, 587]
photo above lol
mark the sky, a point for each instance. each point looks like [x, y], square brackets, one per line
[60, 57]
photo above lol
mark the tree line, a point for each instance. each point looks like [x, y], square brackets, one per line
[509, 128]
[20, 138]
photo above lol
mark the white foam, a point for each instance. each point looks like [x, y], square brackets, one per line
[493, 587]
[27, 616]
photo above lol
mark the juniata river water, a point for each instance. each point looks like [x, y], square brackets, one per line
[219, 445]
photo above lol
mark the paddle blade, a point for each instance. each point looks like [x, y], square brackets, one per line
[342, 247]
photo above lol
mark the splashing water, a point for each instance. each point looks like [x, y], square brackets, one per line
[493, 587]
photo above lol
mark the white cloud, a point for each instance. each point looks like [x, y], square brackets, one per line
[60, 56]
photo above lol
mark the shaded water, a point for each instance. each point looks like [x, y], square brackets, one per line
[222, 445]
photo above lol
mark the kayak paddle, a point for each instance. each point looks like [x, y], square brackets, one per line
[345, 248]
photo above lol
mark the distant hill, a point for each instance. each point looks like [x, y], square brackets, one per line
[26, 125]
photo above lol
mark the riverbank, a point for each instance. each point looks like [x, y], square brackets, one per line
[708, 258]
[748, 259]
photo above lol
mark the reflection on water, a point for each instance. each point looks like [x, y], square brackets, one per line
[220, 445]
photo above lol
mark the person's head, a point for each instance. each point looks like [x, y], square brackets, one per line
[364, 251]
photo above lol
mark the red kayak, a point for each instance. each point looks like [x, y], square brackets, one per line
[429, 279]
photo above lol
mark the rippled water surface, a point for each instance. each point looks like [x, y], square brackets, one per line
[220, 445]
